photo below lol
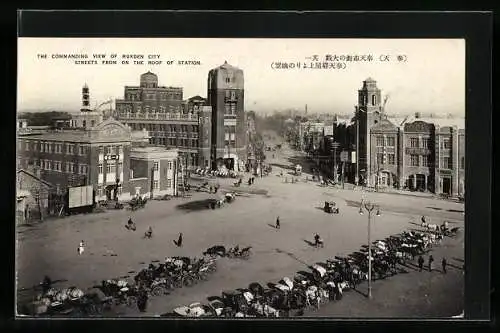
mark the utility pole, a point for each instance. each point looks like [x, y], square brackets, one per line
[182, 174]
[343, 167]
[152, 182]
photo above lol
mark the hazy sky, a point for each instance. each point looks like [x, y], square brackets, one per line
[432, 79]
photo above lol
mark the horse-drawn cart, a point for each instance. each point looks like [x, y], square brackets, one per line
[137, 203]
[331, 207]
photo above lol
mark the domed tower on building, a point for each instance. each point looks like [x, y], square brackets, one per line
[226, 97]
[149, 80]
[368, 114]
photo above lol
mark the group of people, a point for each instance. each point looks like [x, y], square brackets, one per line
[430, 263]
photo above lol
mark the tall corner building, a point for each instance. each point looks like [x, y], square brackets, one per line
[226, 97]
[368, 113]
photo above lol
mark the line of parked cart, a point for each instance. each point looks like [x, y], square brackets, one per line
[323, 282]
[155, 280]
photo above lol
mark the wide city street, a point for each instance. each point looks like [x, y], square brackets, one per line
[50, 248]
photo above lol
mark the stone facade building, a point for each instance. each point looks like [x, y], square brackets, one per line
[170, 121]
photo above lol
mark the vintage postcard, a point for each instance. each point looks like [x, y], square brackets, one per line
[247, 178]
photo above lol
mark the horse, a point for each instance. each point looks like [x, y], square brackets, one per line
[432, 227]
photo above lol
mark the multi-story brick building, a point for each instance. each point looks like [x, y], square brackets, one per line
[417, 154]
[226, 97]
[170, 121]
[98, 156]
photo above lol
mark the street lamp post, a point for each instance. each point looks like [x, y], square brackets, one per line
[369, 208]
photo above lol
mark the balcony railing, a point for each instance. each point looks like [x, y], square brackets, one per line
[157, 116]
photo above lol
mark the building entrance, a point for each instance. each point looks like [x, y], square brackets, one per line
[447, 185]
[420, 186]
[229, 163]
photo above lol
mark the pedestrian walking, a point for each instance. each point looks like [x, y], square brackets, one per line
[178, 242]
[420, 263]
[149, 233]
[81, 248]
[278, 222]
[431, 261]
[444, 263]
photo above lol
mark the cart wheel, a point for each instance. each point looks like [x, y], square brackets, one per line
[158, 291]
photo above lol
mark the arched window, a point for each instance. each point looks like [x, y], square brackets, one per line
[374, 99]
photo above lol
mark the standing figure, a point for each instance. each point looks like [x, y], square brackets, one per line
[316, 239]
[444, 263]
[81, 248]
[178, 242]
[149, 233]
[431, 260]
[278, 222]
[420, 263]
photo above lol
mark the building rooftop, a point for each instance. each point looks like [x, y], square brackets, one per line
[225, 65]
[441, 122]
[71, 136]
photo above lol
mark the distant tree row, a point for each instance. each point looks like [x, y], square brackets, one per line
[44, 118]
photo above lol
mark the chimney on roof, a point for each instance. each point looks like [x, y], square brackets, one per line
[417, 115]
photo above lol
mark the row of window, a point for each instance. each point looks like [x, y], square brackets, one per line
[419, 160]
[230, 108]
[414, 142]
[389, 158]
[165, 128]
[67, 167]
[150, 109]
[110, 150]
[188, 143]
[156, 164]
[419, 143]
[158, 96]
[111, 167]
[389, 141]
[56, 148]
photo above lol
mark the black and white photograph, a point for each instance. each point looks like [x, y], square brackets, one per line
[240, 178]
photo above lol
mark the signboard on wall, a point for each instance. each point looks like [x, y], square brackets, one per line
[80, 196]
[112, 157]
[353, 157]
